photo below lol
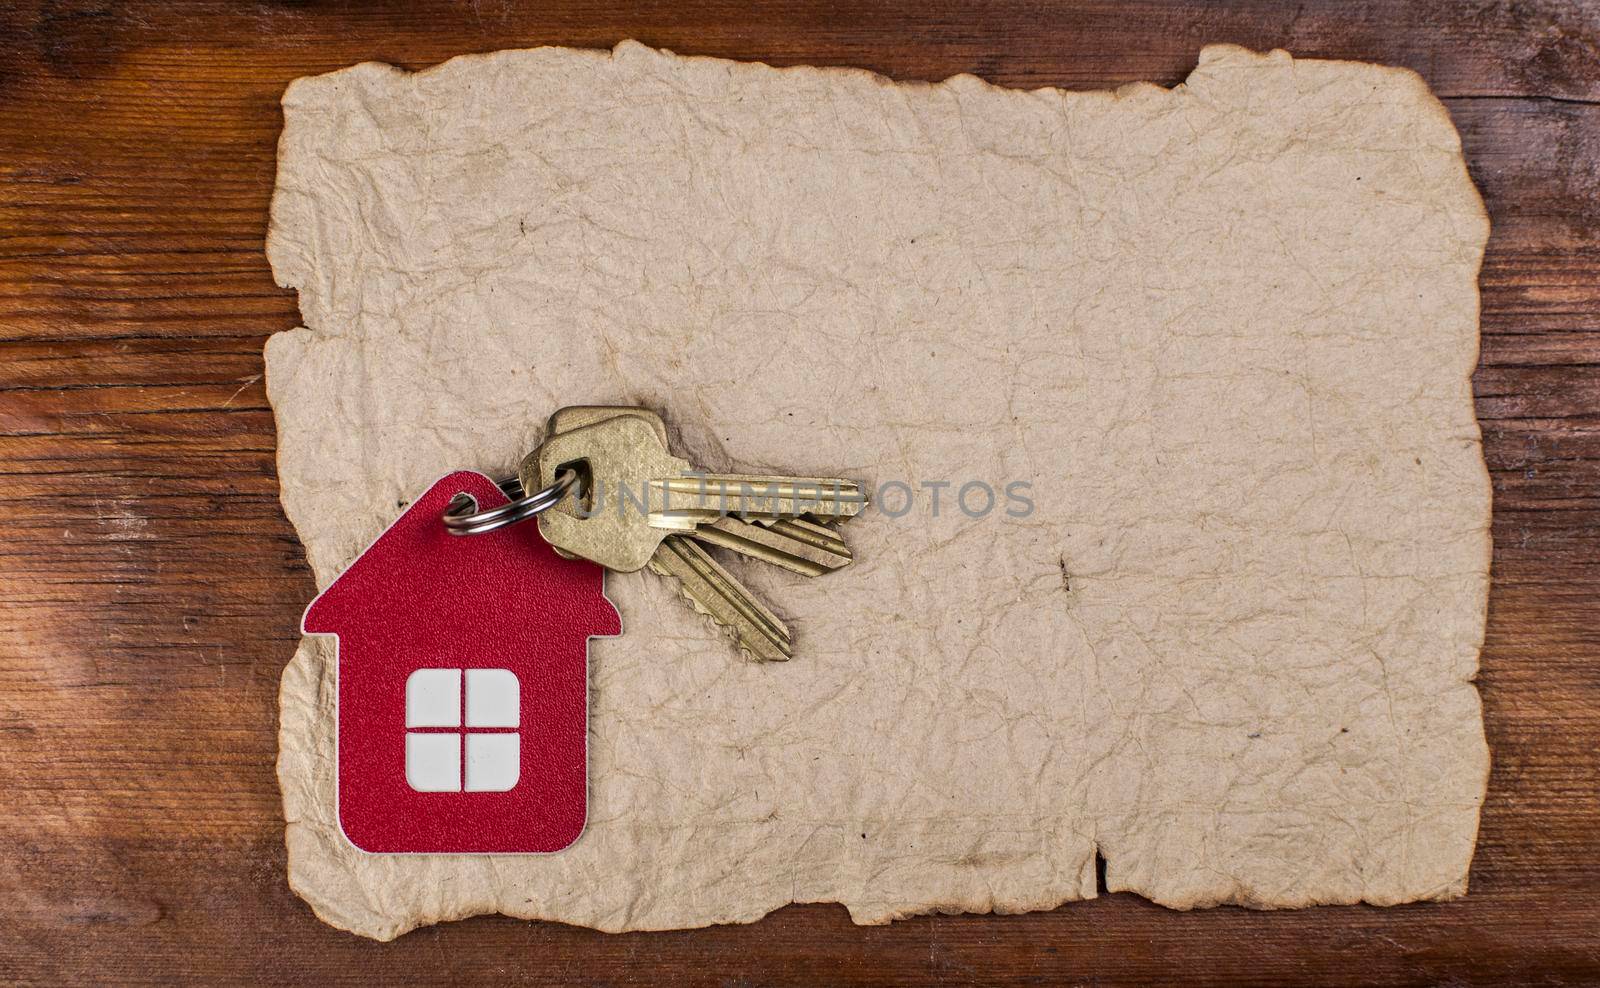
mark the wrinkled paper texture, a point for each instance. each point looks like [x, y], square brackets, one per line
[1224, 331]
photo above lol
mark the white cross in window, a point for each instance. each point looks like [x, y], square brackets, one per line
[436, 761]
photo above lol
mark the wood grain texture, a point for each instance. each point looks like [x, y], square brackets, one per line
[150, 588]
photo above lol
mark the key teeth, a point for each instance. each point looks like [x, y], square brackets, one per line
[809, 550]
[786, 646]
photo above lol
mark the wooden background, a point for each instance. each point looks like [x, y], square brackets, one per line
[150, 588]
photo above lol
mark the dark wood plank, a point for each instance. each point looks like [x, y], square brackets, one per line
[150, 586]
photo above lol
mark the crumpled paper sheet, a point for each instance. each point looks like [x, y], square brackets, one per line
[1225, 330]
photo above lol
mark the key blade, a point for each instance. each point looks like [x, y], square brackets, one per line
[809, 532]
[798, 546]
[714, 592]
[696, 498]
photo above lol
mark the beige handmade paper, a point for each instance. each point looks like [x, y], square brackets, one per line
[1224, 331]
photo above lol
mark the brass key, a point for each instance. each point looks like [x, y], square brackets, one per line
[708, 588]
[640, 492]
[591, 448]
[798, 545]
[713, 591]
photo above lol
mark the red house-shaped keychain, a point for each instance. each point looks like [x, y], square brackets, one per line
[462, 709]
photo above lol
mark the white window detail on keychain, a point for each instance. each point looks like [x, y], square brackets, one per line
[463, 739]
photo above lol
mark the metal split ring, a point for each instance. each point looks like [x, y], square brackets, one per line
[462, 517]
